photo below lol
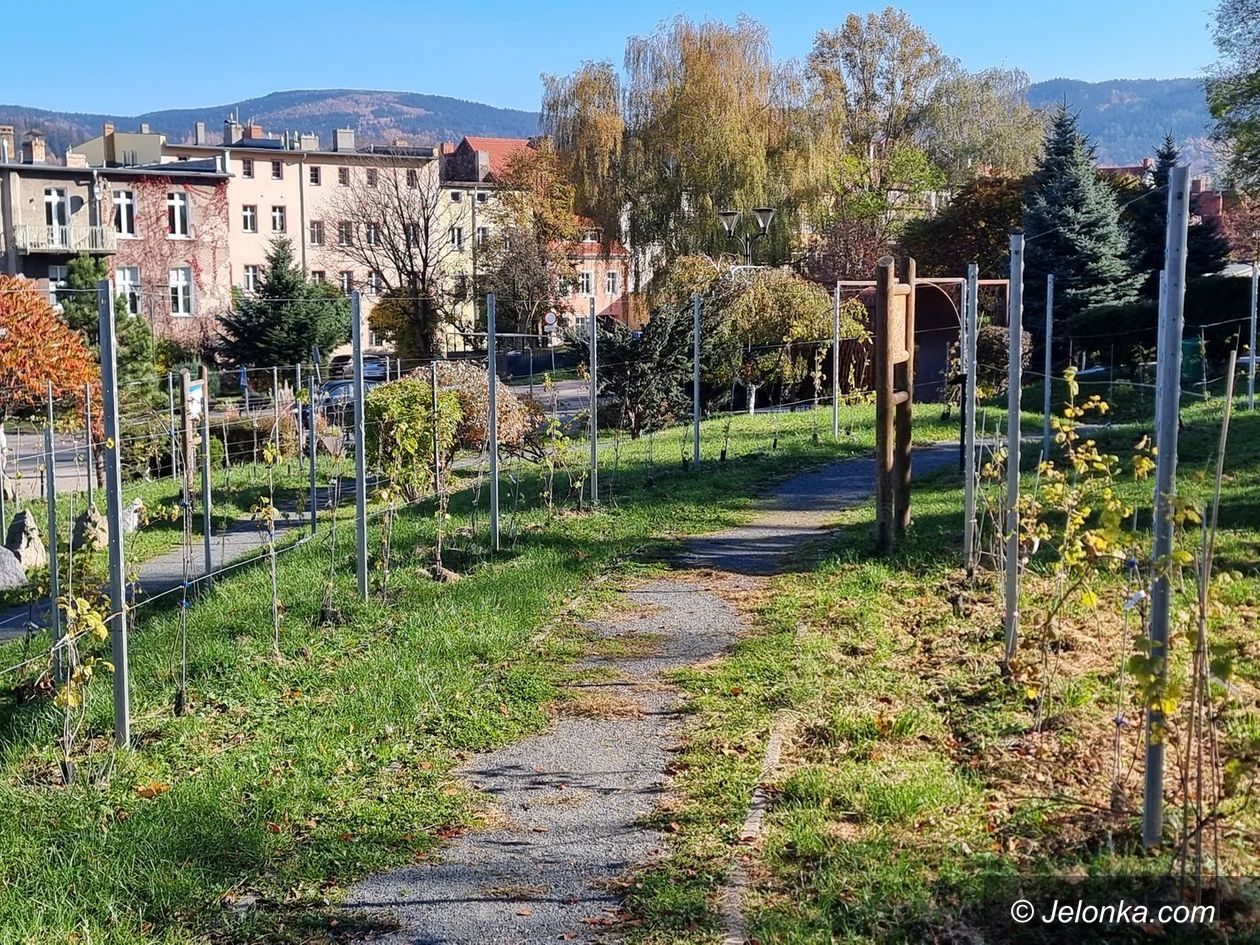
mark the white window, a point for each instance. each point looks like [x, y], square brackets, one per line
[590, 236]
[125, 212]
[482, 196]
[181, 291]
[371, 177]
[277, 170]
[249, 218]
[58, 282]
[412, 230]
[374, 283]
[317, 232]
[278, 220]
[343, 176]
[457, 237]
[57, 215]
[457, 196]
[345, 233]
[177, 214]
[483, 235]
[249, 278]
[413, 177]
[372, 234]
[612, 282]
[127, 282]
[247, 167]
[319, 276]
[345, 280]
[315, 175]
[586, 282]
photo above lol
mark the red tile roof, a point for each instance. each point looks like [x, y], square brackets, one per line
[499, 149]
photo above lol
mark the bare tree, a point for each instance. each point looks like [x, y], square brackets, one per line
[397, 223]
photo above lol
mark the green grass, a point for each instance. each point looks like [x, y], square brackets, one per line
[291, 776]
[913, 787]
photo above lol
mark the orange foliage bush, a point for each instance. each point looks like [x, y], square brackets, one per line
[37, 347]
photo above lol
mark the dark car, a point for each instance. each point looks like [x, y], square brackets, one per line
[374, 368]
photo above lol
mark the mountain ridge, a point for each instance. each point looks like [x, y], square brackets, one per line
[1126, 118]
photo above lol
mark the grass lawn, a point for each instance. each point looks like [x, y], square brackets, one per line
[292, 775]
[917, 785]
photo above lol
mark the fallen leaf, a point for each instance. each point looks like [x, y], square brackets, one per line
[152, 789]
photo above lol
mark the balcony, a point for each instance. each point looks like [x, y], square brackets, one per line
[41, 238]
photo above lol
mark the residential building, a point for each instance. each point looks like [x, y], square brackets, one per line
[283, 185]
[163, 227]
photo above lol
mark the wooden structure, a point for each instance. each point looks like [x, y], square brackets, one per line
[894, 396]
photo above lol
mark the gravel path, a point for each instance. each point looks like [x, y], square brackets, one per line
[568, 804]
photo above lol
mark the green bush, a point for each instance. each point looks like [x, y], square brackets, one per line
[993, 356]
[399, 421]
[1217, 304]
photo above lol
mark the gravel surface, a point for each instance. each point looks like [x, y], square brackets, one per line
[568, 804]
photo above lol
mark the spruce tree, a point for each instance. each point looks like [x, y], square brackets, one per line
[1207, 250]
[285, 317]
[1073, 229]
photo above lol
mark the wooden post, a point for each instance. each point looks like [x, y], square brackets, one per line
[884, 300]
[903, 382]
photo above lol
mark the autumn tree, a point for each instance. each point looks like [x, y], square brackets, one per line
[980, 123]
[526, 262]
[1233, 88]
[974, 227]
[395, 223]
[37, 347]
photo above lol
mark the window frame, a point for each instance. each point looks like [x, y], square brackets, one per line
[249, 218]
[180, 292]
[277, 170]
[120, 202]
[247, 168]
[315, 175]
[315, 232]
[178, 211]
[279, 214]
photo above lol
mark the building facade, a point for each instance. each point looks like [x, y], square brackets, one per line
[163, 228]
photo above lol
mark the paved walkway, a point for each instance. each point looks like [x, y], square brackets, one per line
[569, 804]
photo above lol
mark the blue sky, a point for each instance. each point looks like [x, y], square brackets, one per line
[171, 55]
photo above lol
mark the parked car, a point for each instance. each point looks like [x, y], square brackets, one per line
[332, 400]
[374, 368]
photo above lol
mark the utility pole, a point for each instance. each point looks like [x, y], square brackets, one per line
[1168, 381]
[1015, 321]
[360, 448]
[695, 382]
[492, 383]
[1045, 432]
[113, 512]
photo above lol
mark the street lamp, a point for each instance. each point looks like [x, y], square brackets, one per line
[730, 222]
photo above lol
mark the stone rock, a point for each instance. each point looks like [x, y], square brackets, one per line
[132, 515]
[91, 531]
[8, 486]
[12, 574]
[24, 542]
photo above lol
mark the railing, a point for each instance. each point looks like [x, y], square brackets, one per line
[41, 238]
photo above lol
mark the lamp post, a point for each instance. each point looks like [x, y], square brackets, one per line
[730, 222]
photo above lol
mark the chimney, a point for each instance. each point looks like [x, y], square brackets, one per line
[75, 160]
[254, 132]
[1196, 185]
[401, 143]
[34, 149]
[144, 128]
[199, 133]
[231, 131]
[6, 144]
[309, 142]
[343, 139]
[483, 165]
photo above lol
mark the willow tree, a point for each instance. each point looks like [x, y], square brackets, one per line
[981, 122]
[582, 115]
[697, 127]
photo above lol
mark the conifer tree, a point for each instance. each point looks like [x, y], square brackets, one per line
[1073, 229]
[285, 316]
[1207, 250]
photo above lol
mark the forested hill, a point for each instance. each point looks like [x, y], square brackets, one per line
[1127, 118]
[377, 117]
